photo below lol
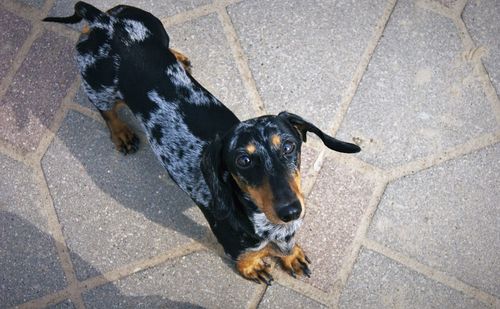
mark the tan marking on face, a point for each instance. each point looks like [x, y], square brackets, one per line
[295, 185]
[250, 148]
[262, 197]
[275, 140]
[85, 29]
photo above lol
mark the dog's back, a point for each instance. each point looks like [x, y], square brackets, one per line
[125, 56]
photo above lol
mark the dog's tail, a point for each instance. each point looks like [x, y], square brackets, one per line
[84, 11]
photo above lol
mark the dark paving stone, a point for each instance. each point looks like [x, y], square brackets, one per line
[481, 18]
[37, 90]
[278, 296]
[199, 280]
[114, 209]
[338, 200]
[303, 54]
[13, 32]
[379, 282]
[67, 304]
[447, 217]
[28, 258]
[418, 96]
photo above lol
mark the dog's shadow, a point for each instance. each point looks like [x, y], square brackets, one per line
[42, 274]
[90, 181]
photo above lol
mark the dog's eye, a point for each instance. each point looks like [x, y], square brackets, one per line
[288, 147]
[243, 161]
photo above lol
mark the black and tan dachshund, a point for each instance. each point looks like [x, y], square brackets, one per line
[243, 175]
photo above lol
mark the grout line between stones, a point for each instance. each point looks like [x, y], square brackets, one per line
[24, 11]
[141, 265]
[432, 273]
[362, 66]
[75, 292]
[56, 232]
[35, 33]
[241, 61]
[349, 261]
[300, 287]
[470, 146]
[473, 55]
[257, 297]
[350, 92]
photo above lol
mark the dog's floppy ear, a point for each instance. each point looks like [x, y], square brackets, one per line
[303, 126]
[213, 171]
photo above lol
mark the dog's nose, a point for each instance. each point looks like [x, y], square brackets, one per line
[290, 212]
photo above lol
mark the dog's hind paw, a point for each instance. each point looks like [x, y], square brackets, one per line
[125, 140]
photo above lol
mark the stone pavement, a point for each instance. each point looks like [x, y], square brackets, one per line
[413, 221]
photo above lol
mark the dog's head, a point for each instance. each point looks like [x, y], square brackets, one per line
[258, 163]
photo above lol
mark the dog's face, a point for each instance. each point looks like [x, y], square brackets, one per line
[261, 157]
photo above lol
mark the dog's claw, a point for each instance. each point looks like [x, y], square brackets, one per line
[293, 274]
[306, 270]
[266, 281]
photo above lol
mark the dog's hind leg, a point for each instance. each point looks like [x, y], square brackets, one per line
[122, 136]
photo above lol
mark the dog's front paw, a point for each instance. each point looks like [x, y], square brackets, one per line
[253, 267]
[296, 263]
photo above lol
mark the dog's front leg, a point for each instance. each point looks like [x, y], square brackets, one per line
[296, 263]
[252, 266]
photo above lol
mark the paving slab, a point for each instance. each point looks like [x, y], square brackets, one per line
[28, 258]
[199, 280]
[37, 90]
[114, 209]
[418, 96]
[379, 282]
[278, 296]
[160, 9]
[447, 217]
[14, 31]
[34, 3]
[336, 205]
[302, 54]
[67, 304]
[481, 19]
[203, 41]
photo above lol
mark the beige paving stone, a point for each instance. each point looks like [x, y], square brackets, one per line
[447, 217]
[278, 296]
[199, 280]
[303, 54]
[203, 41]
[379, 282]
[339, 199]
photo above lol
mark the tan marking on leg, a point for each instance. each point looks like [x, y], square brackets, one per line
[252, 266]
[184, 60]
[296, 263]
[122, 136]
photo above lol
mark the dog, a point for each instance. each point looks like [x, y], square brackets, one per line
[243, 175]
